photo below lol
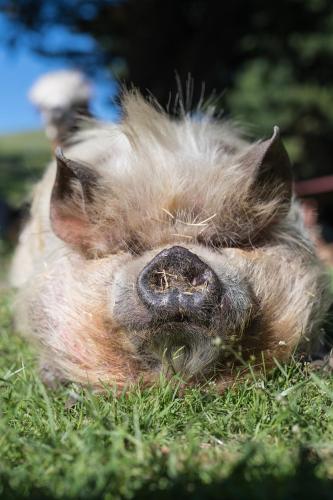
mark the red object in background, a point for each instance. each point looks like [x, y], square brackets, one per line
[315, 186]
[313, 192]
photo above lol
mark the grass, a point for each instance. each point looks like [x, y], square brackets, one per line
[22, 159]
[267, 438]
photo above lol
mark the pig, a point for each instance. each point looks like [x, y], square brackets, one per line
[161, 246]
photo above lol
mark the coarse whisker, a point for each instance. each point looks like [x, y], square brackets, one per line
[193, 224]
[196, 224]
[203, 229]
[168, 213]
[183, 236]
[208, 219]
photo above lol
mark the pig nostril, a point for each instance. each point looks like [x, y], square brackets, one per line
[161, 281]
[176, 285]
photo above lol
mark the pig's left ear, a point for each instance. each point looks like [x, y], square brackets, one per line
[268, 161]
[72, 194]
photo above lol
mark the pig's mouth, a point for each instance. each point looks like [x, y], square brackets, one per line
[178, 347]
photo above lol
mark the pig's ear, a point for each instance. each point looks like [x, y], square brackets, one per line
[272, 169]
[69, 207]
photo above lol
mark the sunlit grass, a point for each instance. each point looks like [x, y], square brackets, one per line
[73, 443]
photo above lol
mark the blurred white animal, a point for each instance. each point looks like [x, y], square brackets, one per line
[63, 98]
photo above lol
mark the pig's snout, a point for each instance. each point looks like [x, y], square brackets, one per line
[178, 286]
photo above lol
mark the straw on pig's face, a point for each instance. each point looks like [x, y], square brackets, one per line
[181, 251]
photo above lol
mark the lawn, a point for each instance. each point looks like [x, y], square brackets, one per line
[269, 437]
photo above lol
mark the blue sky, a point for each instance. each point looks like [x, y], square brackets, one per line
[20, 67]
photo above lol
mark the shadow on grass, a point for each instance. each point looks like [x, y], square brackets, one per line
[243, 483]
[251, 482]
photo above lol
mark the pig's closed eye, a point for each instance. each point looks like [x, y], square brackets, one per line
[134, 246]
[221, 241]
[215, 240]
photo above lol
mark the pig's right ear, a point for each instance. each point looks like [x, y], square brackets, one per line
[71, 196]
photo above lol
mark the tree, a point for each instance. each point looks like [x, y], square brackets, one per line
[272, 60]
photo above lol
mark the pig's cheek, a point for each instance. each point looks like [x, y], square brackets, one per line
[127, 312]
[98, 272]
[123, 304]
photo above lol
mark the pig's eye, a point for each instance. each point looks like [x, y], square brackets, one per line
[134, 246]
[214, 241]
[221, 241]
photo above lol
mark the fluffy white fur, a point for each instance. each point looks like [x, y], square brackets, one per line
[163, 182]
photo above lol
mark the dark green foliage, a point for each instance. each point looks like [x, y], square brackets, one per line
[271, 60]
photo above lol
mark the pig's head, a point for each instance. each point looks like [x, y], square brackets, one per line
[203, 258]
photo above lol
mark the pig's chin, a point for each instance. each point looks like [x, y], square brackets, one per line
[178, 347]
